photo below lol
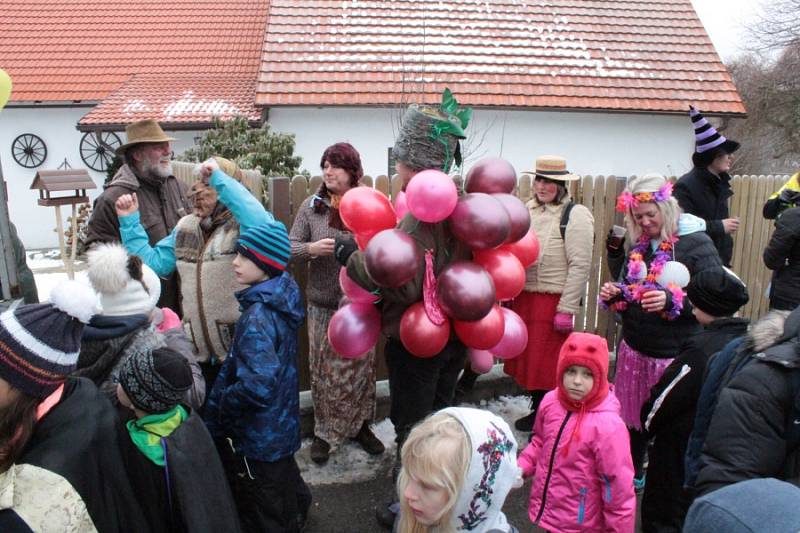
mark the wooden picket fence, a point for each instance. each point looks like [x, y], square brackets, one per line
[284, 195]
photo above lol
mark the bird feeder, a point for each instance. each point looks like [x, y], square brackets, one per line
[78, 181]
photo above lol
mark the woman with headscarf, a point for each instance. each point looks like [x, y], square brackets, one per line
[343, 390]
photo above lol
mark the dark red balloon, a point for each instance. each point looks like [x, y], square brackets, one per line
[366, 211]
[480, 221]
[466, 291]
[392, 258]
[506, 271]
[518, 214]
[526, 249]
[484, 333]
[354, 329]
[491, 175]
[419, 335]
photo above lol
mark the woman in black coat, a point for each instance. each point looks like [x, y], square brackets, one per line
[782, 256]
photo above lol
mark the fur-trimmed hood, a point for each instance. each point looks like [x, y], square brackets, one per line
[774, 327]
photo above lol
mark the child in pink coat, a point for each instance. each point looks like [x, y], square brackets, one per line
[580, 455]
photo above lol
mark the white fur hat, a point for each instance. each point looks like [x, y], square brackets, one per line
[125, 286]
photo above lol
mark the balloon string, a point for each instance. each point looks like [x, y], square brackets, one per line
[429, 296]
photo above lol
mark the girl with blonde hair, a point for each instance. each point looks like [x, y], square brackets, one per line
[656, 318]
[458, 466]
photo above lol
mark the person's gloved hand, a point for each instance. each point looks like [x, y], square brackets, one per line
[343, 248]
[562, 322]
[790, 196]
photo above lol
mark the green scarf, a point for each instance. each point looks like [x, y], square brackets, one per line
[147, 432]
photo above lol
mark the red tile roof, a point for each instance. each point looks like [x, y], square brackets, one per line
[645, 55]
[82, 50]
[175, 101]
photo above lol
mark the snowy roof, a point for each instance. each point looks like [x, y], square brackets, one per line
[645, 55]
[83, 50]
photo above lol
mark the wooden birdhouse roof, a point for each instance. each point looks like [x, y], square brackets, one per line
[63, 180]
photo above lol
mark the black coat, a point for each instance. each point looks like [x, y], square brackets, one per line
[665, 503]
[746, 437]
[782, 256]
[648, 333]
[705, 195]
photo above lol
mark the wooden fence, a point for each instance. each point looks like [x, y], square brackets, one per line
[598, 193]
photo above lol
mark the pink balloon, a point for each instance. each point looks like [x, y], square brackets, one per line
[480, 221]
[353, 291]
[518, 214]
[431, 196]
[400, 205]
[491, 175]
[392, 258]
[354, 329]
[515, 338]
[481, 361]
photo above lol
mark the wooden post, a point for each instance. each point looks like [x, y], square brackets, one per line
[61, 245]
[74, 229]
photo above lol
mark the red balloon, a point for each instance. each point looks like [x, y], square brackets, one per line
[518, 214]
[506, 271]
[526, 249]
[466, 291]
[491, 175]
[362, 240]
[484, 333]
[392, 258]
[515, 336]
[354, 329]
[481, 361]
[366, 211]
[480, 221]
[419, 335]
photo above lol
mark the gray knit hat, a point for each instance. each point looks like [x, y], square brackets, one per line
[155, 381]
[429, 136]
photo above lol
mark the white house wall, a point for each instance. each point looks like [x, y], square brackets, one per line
[56, 126]
[593, 143]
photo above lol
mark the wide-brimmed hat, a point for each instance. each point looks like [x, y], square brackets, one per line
[552, 167]
[143, 131]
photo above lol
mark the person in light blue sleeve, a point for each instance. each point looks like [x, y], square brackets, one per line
[201, 248]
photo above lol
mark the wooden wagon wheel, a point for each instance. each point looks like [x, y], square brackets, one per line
[29, 150]
[97, 149]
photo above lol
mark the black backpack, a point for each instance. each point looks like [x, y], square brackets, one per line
[562, 226]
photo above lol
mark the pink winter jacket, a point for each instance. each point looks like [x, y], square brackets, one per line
[589, 489]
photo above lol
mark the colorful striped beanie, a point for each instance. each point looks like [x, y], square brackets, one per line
[39, 343]
[706, 137]
[267, 246]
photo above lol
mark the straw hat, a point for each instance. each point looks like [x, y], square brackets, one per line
[552, 167]
[143, 131]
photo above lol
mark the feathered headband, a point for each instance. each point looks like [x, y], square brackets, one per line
[627, 200]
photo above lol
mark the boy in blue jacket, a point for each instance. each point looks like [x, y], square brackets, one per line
[253, 410]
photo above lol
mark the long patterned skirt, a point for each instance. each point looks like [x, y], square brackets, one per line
[636, 375]
[342, 390]
[535, 368]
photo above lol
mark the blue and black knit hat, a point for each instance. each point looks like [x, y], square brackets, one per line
[155, 381]
[267, 246]
[39, 343]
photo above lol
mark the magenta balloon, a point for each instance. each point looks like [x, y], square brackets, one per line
[481, 361]
[400, 205]
[354, 329]
[515, 338]
[431, 196]
[491, 175]
[353, 291]
[466, 291]
[480, 221]
[392, 258]
[518, 214]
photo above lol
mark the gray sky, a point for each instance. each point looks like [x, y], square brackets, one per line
[724, 20]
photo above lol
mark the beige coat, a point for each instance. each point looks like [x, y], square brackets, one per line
[563, 265]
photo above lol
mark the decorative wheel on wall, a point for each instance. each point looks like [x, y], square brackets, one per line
[97, 149]
[29, 150]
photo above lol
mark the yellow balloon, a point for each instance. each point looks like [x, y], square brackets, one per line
[5, 88]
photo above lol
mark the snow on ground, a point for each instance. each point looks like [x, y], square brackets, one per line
[349, 463]
[48, 270]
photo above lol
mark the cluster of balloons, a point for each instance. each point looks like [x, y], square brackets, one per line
[488, 218]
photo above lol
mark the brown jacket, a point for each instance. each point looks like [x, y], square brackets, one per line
[563, 264]
[437, 237]
[161, 205]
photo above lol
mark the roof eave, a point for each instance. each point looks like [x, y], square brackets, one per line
[165, 125]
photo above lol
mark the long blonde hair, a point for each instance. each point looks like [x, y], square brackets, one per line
[670, 210]
[436, 453]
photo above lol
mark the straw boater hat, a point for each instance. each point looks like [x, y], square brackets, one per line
[553, 167]
[143, 131]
